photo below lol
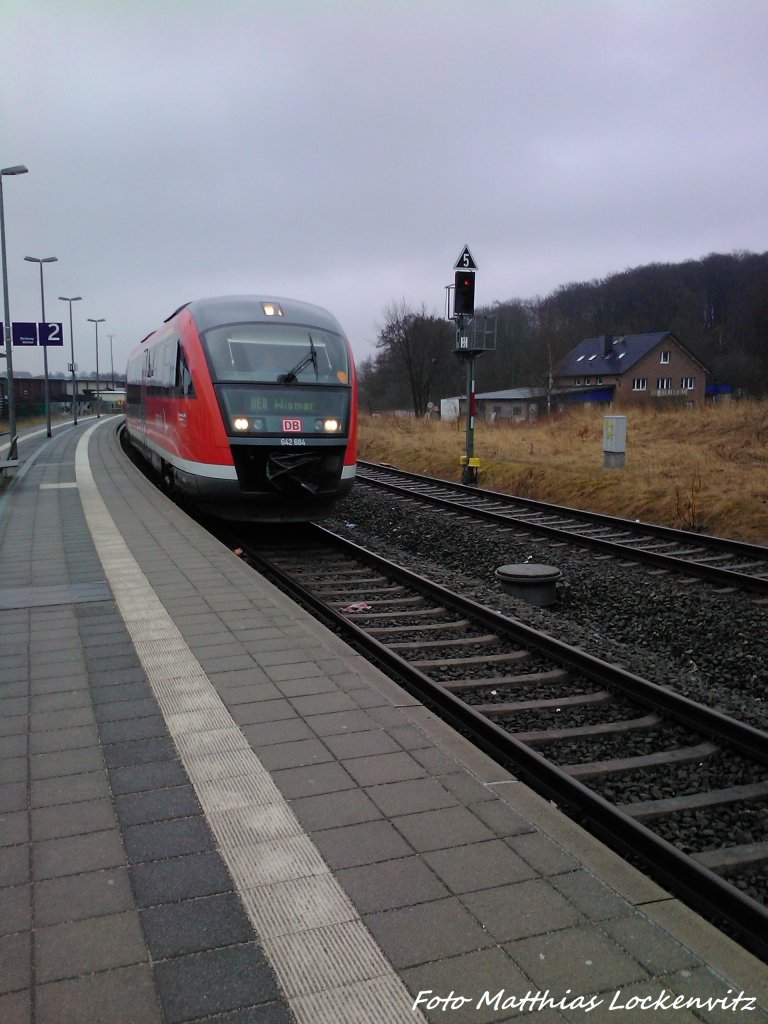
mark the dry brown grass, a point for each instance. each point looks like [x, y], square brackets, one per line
[703, 469]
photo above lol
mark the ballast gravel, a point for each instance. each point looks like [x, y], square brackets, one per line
[705, 642]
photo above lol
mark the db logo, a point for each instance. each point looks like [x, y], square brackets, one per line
[291, 425]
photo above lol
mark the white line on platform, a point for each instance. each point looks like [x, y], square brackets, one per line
[326, 961]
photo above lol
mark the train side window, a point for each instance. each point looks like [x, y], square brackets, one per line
[185, 387]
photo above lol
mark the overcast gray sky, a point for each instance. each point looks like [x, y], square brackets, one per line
[344, 151]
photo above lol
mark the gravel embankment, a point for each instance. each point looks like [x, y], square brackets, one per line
[711, 646]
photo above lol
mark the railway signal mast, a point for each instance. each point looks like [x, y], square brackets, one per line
[468, 346]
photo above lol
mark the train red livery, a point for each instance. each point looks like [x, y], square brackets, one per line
[247, 407]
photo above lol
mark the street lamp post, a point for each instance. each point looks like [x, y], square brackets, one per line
[111, 360]
[13, 450]
[47, 259]
[75, 298]
[100, 320]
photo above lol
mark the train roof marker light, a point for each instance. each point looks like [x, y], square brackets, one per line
[272, 309]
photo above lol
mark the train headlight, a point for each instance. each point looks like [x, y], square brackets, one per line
[329, 426]
[241, 423]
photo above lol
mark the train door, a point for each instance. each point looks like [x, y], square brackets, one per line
[146, 376]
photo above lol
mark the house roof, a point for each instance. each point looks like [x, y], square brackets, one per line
[625, 350]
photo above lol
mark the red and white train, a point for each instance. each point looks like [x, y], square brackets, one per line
[247, 406]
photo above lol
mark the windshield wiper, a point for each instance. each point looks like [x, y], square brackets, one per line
[310, 357]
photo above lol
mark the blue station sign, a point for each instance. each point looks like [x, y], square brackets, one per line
[30, 335]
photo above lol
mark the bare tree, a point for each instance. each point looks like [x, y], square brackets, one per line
[417, 346]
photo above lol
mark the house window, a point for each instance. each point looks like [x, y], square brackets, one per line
[664, 384]
[639, 383]
[577, 381]
[599, 380]
[687, 383]
[664, 356]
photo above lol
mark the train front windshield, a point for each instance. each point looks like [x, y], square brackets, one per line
[277, 354]
[275, 380]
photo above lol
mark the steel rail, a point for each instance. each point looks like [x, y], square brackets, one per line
[696, 884]
[689, 566]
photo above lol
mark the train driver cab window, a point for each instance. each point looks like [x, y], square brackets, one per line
[277, 354]
[184, 386]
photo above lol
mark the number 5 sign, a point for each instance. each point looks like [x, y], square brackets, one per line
[465, 261]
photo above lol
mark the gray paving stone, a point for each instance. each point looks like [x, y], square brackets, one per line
[294, 755]
[14, 865]
[113, 693]
[365, 843]
[73, 855]
[287, 730]
[124, 730]
[312, 780]
[122, 996]
[341, 722]
[258, 712]
[382, 768]
[323, 703]
[429, 931]
[136, 752]
[16, 961]
[253, 676]
[292, 688]
[390, 884]
[13, 769]
[13, 797]
[68, 789]
[214, 982]
[541, 853]
[331, 810]
[163, 839]
[157, 805]
[410, 797]
[117, 710]
[180, 878]
[208, 922]
[62, 718]
[65, 762]
[483, 865]
[138, 778]
[76, 897]
[520, 909]
[12, 725]
[585, 955]
[361, 744]
[468, 976]
[653, 947]
[16, 1007]
[16, 745]
[448, 827]
[466, 789]
[501, 818]
[593, 898]
[84, 947]
[72, 819]
[247, 693]
[14, 828]
[15, 909]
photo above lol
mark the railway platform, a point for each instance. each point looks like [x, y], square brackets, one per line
[211, 809]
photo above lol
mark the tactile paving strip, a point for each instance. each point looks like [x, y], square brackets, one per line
[330, 967]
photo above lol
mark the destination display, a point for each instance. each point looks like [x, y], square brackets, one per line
[286, 410]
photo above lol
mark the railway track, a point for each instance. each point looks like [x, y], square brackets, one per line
[715, 559]
[577, 729]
